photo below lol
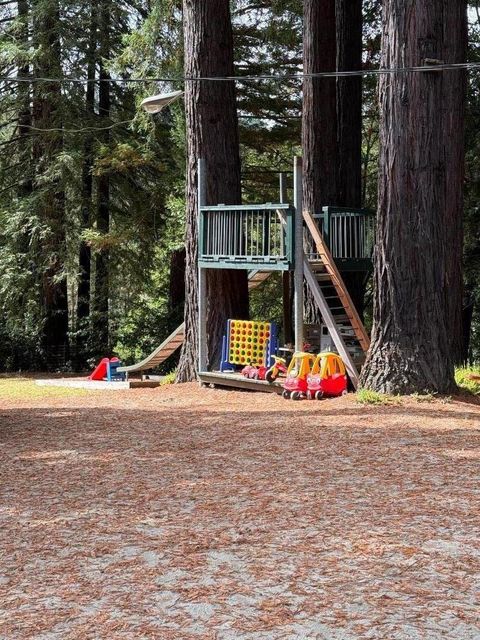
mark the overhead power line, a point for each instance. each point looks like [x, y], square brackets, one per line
[430, 67]
[82, 130]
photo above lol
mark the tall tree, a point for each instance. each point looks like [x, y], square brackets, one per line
[102, 263]
[332, 117]
[50, 197]
[349, 103]
[85, 254]
[319, 116]
[420, 181]
[212, 134]
[349, 124]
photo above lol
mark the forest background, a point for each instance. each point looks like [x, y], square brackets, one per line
[92, 189]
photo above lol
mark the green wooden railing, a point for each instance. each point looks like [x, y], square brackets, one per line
[247, 237]
[349, 234]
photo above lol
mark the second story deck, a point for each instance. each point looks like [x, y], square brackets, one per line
[247, 237]
[261, 237]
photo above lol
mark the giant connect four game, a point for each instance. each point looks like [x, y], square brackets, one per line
[249, 342]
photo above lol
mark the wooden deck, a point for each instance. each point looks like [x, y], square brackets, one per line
[238, 381]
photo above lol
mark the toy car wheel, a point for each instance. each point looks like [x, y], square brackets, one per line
[286, 395]
[344, 392]
[309, 395]
[318, 395]
[296, 395]
[270, 376]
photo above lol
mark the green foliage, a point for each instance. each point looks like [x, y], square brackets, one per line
[463, 380]
[169, 378]
[367, 397]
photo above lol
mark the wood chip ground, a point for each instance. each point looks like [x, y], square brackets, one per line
[187, 513]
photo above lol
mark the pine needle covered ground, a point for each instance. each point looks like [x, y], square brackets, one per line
[186, 513]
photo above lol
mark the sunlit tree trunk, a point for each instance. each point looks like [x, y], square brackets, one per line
[212, 134]
[418, 252]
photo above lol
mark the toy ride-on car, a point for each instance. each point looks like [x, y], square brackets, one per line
[255, 373]
[279, 366]
[327, 377]
[295, 385]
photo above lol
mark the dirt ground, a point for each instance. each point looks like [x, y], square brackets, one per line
[187, 513]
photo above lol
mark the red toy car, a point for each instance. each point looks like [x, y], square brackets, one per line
[295, 385]
[327, 377]
[254, 373]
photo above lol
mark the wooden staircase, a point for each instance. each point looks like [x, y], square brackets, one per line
[335, 304]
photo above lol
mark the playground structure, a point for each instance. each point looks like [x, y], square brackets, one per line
[273, 237]
[176, 338]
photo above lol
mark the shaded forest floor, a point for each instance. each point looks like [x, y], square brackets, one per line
[186, 513]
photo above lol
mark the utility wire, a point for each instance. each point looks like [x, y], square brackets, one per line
[431, 66]
[82, 130]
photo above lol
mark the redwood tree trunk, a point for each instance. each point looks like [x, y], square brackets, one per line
[319, 117]
[102, 276]
[212, 134]
[85, 257]
[419, 187]
[349, 103]
[454, 83]
[50, 197]
[349, 125]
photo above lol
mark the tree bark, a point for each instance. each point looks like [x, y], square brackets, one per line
[85, 254]
[319, 117]
[455, 84]
[176, 289]
[349, 103]
[212, 134]
[50, 197]
[102, 261]
[349, 125]
[83, 308]
[419, 179]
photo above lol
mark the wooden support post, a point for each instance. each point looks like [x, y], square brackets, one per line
[283, 187]
[298, 274]
[286, 276]
[202, 277]
[287, 307]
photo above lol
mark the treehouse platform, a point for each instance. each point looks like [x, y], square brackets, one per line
[272, 237]
[237, 381]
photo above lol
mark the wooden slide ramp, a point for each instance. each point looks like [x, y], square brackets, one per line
[176, 338]
[161, 353]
